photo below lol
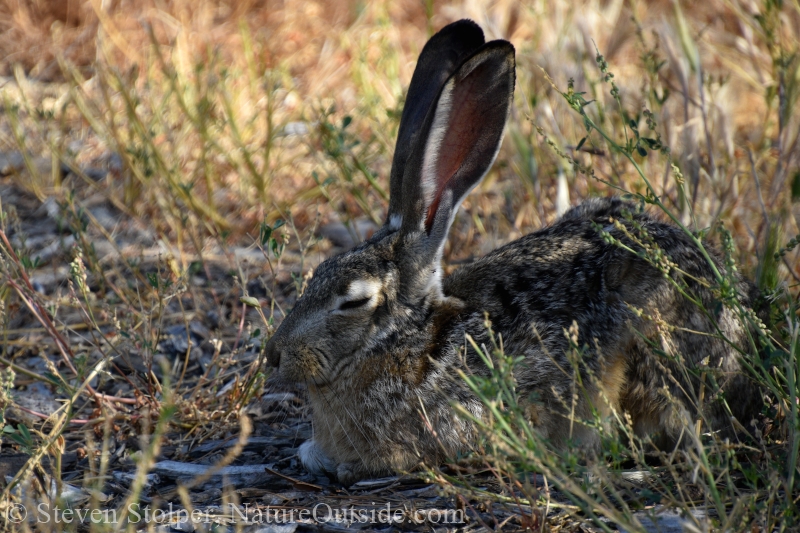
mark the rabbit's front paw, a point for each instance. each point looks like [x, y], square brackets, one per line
[314, 459]
[349, 473]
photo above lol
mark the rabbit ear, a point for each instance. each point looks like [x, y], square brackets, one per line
[459, 141]
[442, 54]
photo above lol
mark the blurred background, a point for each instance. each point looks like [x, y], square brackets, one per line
[231, 112]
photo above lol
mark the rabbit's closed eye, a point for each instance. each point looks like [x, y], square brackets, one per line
[361, 294]
[354, 304]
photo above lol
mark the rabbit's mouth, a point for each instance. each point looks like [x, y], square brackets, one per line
[308, 366]
[310, 377]
[304, 364]
[315, 375]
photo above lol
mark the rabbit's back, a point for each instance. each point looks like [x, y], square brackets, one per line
[632, 326]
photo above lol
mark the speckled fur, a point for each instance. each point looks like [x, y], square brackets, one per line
[382, 372]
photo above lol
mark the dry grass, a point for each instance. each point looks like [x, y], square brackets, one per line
[211, 121]
[358, 59]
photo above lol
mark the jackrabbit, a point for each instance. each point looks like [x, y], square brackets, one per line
[378, 335]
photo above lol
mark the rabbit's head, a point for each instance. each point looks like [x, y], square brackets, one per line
[361, 302]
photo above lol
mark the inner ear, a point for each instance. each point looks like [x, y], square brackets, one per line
[467, 128]
[441, 56]
[454, 134]
[464, 132]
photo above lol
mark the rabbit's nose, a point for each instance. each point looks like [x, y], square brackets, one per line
[273, 353]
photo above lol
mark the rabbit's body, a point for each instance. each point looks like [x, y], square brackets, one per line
[394, 407]
[379, 337]
[568, 274]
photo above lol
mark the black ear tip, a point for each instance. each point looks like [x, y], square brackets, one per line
[462, 25]
[468, 30]
[465, 29]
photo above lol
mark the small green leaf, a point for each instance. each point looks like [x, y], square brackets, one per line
[250, 301]
[580, 143]
[796, 187]
[23, 430]
[264, 233]
[16, 437]
[54, 379]
[642, 151]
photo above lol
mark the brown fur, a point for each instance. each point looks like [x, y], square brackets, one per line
[380, 337]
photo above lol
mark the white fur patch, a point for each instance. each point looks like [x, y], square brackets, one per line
[360, 289]
[314, 459]
[562, 194]
[363, 288]
[434, 284]
[395, 221]
[441, 121]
